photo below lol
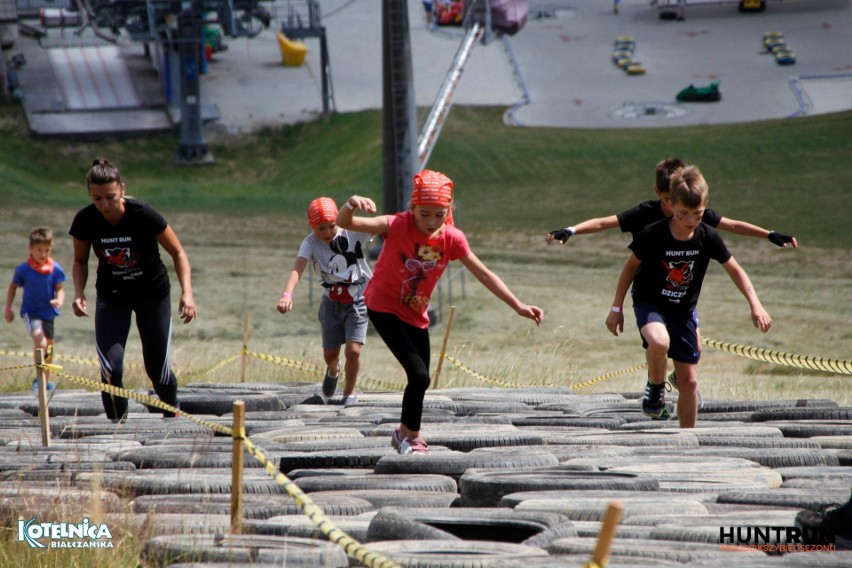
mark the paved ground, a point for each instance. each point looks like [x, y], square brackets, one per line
[564, 64]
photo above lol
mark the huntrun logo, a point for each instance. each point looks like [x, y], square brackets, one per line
[771, 535]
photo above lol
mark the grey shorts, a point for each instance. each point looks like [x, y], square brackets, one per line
[35, 325]
[342, 322]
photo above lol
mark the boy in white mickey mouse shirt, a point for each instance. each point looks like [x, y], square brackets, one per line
[338, 260]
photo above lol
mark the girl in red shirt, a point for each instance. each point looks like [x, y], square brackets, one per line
[418, 245]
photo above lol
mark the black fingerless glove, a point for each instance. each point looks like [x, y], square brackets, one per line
[779, 239]
[562, 235]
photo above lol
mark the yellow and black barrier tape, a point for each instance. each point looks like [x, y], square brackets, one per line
[5, 353]
[609, 375]
[285, 362]
[506, 384]
[16, 367]
[837, 366]
[207, 370]
[350, 546]
[68, 358]
[481, 377]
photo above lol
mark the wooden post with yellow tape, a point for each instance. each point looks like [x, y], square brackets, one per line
[238, 432]
[43, 415]
[444, 346]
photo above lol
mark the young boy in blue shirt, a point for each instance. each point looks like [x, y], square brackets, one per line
[41, 278]
[667, 268]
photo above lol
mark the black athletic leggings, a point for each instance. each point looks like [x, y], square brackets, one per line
[410, 346]
[112, 326]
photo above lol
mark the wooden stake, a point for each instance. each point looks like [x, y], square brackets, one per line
[244, 362]
[43, 417]
[610, 523]
[238, 427]
[444, 345]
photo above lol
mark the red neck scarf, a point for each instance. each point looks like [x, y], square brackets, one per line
[45, 267]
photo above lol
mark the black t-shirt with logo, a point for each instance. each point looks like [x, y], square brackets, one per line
[129, 263]
[672, 271]
[637, 218]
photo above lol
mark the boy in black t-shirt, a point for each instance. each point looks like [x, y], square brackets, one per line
[667, 267]
[636, 218]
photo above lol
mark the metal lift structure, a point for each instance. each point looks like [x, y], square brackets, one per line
[303, 21]
[484, 21]
[175, 27]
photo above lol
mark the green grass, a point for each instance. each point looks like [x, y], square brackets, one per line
[242, 218]
[791, 175]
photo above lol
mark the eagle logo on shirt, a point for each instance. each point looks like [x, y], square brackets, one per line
[120, 257]
[680, 274]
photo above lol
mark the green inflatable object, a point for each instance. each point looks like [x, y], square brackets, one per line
[710, 93]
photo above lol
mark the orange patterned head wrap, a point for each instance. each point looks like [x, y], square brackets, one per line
[322, 210]
[432, 189]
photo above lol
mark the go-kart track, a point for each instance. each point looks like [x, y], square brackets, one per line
[556, 72]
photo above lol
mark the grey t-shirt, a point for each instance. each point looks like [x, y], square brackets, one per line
[340, 265]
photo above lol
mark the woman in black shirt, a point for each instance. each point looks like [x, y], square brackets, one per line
[125, 235]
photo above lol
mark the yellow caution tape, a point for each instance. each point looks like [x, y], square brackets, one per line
[609, 375]
[16, 367]
[483, 378]
[352, 547]
[285, 362]
[15, 353]
[837, 366]
[210, 369]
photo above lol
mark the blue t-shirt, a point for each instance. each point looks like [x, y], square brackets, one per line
[39, 290]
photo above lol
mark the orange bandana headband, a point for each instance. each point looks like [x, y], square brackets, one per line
[432, 189]
[322, 210]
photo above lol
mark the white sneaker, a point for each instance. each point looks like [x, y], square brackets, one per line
[350, 400]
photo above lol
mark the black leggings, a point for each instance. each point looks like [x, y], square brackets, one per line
[410, 346]
[112, 326]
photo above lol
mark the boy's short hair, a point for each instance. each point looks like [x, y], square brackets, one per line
[41, 236]
[665, 169]
[689, 188]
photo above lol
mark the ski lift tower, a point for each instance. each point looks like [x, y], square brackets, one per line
[303, 20]
[484, 20]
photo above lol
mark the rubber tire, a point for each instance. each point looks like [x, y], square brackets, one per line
[481, 524]
[301, 526]
[452, 553]
[677, 551]
[222, 402]
[381, 498]
[179, 481]
[812, 499]
[840, 413]
[254, 506]
[435, 483]
[391, 525]
[454, 464]
[485, 488]
[287, 551]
